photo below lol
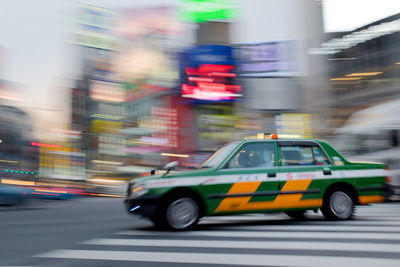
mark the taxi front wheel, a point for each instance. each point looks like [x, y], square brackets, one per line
[180, 212]
[338, 204]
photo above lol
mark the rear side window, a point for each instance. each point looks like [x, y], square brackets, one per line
[298, 155]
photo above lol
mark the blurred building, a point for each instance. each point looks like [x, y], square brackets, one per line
[158, 120]
[282, 85]
[97, 99]
[174, 83]
[363, 65]
[209, 84]
[18, 158]
[364, 70]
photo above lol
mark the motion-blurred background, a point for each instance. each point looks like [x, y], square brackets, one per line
[94, 93]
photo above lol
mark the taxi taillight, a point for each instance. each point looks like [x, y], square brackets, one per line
[388, 176]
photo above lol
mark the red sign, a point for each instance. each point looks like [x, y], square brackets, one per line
[210, 82]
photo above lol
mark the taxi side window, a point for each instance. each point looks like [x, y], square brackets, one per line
[319, 157]
[253, 155]
[338, 161]
[298, 155]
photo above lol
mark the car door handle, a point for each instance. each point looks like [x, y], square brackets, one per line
[272, 174]
[327, 172]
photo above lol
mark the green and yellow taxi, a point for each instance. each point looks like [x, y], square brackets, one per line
[260, 176]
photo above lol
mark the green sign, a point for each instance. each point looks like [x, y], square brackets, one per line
[205, 10]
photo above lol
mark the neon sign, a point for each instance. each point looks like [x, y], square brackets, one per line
[205, 10]
[210, 82]
[208, 74]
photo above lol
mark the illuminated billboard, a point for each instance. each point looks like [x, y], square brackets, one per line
[208, 73]
[93, 26]
[107, 91]
[205, 10]
[268, 59]
[148, 36]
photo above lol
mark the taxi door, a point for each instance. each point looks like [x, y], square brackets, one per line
[252, 176]
[304, 168]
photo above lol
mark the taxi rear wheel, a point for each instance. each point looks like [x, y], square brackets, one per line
[180, 212]
[338, 204]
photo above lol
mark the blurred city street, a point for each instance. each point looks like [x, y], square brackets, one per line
[181, 111]
[123, 88]
[94, 232]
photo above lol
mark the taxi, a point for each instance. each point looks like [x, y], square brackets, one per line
[260, 176]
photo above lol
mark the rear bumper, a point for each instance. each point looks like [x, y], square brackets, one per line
[146, 206]
[388, 191]
[393, 194]
[375, 194]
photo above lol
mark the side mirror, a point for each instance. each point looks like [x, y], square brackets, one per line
[170, 166]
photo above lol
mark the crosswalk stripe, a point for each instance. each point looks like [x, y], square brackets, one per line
[377, 209]
[377, 213]
[219, 258]
[328, 228]
[371, 221]
[275, 234]
[294, 245]
[383, 218]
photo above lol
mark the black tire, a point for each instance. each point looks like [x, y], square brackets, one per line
[180, 212]
[296, 214]
[338, 204]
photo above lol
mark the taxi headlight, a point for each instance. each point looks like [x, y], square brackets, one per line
[138, 190]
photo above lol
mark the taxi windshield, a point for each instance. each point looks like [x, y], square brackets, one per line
[219, 156]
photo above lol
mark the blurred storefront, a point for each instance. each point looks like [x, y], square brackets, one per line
[18, 158]
[61, 157]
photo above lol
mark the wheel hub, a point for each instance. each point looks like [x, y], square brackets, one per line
[341, 205]
[182, 213]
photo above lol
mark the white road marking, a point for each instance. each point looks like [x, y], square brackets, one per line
[364, 221]
[302, 242]
[284, 245]
[328, 228]
[219, 258]
[275, 234]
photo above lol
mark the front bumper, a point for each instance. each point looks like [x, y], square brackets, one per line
[146, 206]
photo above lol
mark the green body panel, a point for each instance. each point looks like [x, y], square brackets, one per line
[212, 203]
[317, 187]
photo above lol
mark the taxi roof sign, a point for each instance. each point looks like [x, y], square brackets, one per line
[262, 136]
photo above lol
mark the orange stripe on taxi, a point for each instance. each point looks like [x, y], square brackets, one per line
[281, 201]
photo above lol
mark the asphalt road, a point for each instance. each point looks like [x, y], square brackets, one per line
[98, 232]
